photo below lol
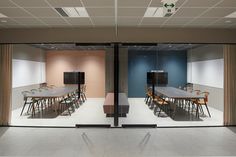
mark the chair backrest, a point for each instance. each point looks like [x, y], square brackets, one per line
[206, 94]
[198, 92]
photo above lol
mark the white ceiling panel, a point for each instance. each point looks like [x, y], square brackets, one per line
[65, 3]
[218, 12]
[227, 3]
[31, 3]
[201, 3]
[54, 21]
[6, 3]
[189, 12]
[131, 12]
[134, 21]
[28, 21]
[101, 12]
[153, 21]
[103, 21]
[99, 3]
[178, 21]
[14, 12]
[43, 12]
[133, 3]
[79, 21]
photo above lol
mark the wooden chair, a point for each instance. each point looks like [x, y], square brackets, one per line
[201, 102]
[160, 103]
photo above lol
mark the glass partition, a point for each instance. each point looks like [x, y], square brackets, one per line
[62, 84]
[171, 84]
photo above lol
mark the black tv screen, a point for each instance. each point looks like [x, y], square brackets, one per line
[74, 77]
[157, 78]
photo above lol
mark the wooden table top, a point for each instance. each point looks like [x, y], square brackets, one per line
[53, 93]
[176, 93]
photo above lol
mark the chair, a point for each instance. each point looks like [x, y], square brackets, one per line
[160, 103]
[27, 101]
[67, 103]
[82, 93]
[201, 102]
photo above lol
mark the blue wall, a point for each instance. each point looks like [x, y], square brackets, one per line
[140, 62]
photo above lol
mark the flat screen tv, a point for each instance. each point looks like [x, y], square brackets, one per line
[157, 78]
[74, 77]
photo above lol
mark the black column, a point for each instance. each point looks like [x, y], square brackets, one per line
[116, 84]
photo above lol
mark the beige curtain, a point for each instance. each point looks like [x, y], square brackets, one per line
[230, 85]
[5, 83]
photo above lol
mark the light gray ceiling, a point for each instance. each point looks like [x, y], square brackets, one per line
[42, 13]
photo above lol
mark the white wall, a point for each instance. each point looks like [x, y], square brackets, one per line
[25, 73]
[208, 73]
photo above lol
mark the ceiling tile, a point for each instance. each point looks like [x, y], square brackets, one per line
[99, 3]
[65, 3]
[189, 12]
[157, 3]
[28, 21]
[153, 21]
[200, 3]
[218, 12]
[203, 21]
[131, 11]
[101, 12]
[227, 3]
[133, 3]
[178, 21]
[8, 21]
[14, 12]
[43, 12]
[79, 21]
[54, 21]
[103, 21]
[6, 3]
[31, 3]
[224, 21]
[134, 21]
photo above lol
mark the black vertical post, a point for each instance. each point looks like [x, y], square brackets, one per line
[116, 84]
[79, 81]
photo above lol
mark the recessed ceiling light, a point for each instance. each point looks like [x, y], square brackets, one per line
[2, 15]
[73, 11]
[232, 15]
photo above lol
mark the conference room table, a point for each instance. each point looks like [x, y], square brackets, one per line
[57, 92]
[53, 93]
[177, 94]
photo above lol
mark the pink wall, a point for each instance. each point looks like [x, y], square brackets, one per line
[90, 62]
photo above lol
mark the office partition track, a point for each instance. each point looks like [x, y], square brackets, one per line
[92, 125]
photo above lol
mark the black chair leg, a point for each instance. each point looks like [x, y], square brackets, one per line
[23, 108]
[208, 111]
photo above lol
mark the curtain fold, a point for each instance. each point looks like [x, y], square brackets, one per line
[229, 84]
[5, 83]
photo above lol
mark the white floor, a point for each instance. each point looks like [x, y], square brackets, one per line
[215, 141]
[91, 112]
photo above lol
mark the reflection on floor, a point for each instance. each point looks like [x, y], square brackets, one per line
[71, 142]
[140, 113]
[91, 112]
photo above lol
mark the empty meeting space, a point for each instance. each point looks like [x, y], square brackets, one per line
[158, 84]
[172, 84]
[60, 84]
